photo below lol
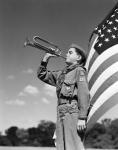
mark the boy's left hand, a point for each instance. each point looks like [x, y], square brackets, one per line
[81, 125]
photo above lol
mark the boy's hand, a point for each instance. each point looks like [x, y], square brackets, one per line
[81, 125]
[47, 56]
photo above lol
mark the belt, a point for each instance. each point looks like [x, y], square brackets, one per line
[66, 100]
[67, 108]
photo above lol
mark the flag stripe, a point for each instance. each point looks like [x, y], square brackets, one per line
[105, 55]
[92, 51]
[91, 42]
[111, 80]
[113, 100]
[109, 62]
[95, 55]
[113, 89]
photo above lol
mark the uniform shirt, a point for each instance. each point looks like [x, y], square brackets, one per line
[71, 84]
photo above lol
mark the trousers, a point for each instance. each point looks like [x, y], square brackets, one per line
[67, 137]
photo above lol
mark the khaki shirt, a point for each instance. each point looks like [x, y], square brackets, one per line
[71, 85]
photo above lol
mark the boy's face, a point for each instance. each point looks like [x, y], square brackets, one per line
[72, 57]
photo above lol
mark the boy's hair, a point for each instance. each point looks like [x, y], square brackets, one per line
[80, 51]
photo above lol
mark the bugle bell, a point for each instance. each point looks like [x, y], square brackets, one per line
[41, 44]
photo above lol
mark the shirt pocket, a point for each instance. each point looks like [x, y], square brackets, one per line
[67, 88]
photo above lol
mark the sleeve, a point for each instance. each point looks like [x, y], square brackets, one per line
[49, 77]
[83, 93]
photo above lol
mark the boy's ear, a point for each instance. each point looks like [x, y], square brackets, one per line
[79, 57]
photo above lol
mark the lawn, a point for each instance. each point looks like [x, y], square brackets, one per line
[26, 148]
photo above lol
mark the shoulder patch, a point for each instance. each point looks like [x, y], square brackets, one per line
[82, 76]
[82, 73]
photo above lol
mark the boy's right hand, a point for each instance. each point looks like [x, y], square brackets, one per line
[47, 56]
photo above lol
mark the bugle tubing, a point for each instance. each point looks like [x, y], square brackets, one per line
[53, 49]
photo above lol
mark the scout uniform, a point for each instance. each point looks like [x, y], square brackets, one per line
[73, 102]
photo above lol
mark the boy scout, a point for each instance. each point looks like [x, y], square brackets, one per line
[73, 97]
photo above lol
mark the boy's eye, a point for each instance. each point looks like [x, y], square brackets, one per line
[70, 52]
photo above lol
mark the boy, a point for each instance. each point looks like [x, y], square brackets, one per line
[73, 97]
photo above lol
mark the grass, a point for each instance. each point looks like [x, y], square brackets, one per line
[26, 148]
[38, 148]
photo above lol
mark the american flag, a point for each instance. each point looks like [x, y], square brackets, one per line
[102, 66]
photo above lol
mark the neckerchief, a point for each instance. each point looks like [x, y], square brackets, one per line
[68, 68]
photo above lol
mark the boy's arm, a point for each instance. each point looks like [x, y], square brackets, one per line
[45, 75]
[83, 93]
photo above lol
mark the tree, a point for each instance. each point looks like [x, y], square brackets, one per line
[113, 129]
[34, 137]
[103, 141]
[22, 135]
[45, 131]
[4, 141]
[11, 135]
[93, 133]
[115, 144]
[106, 122]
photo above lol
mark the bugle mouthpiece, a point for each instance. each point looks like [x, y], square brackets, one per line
[26, 42]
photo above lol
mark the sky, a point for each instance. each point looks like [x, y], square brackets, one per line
[24, 99]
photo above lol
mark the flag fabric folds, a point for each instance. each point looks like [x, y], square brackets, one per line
[102, 66]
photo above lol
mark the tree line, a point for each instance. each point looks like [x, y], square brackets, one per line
[102, 135]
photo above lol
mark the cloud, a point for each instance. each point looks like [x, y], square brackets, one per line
[45, 100]
[50, 90]
[16, 102]
[28, 71]
[11, 77]
[22, 94]
[29, 89]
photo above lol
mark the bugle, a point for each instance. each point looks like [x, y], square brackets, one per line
[51, 48]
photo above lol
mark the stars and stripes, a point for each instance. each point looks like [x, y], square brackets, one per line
[102, 66]
[107, 32]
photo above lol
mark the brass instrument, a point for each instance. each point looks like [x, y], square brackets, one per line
[51, 48]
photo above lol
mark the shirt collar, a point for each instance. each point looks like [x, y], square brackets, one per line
[70, 67]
